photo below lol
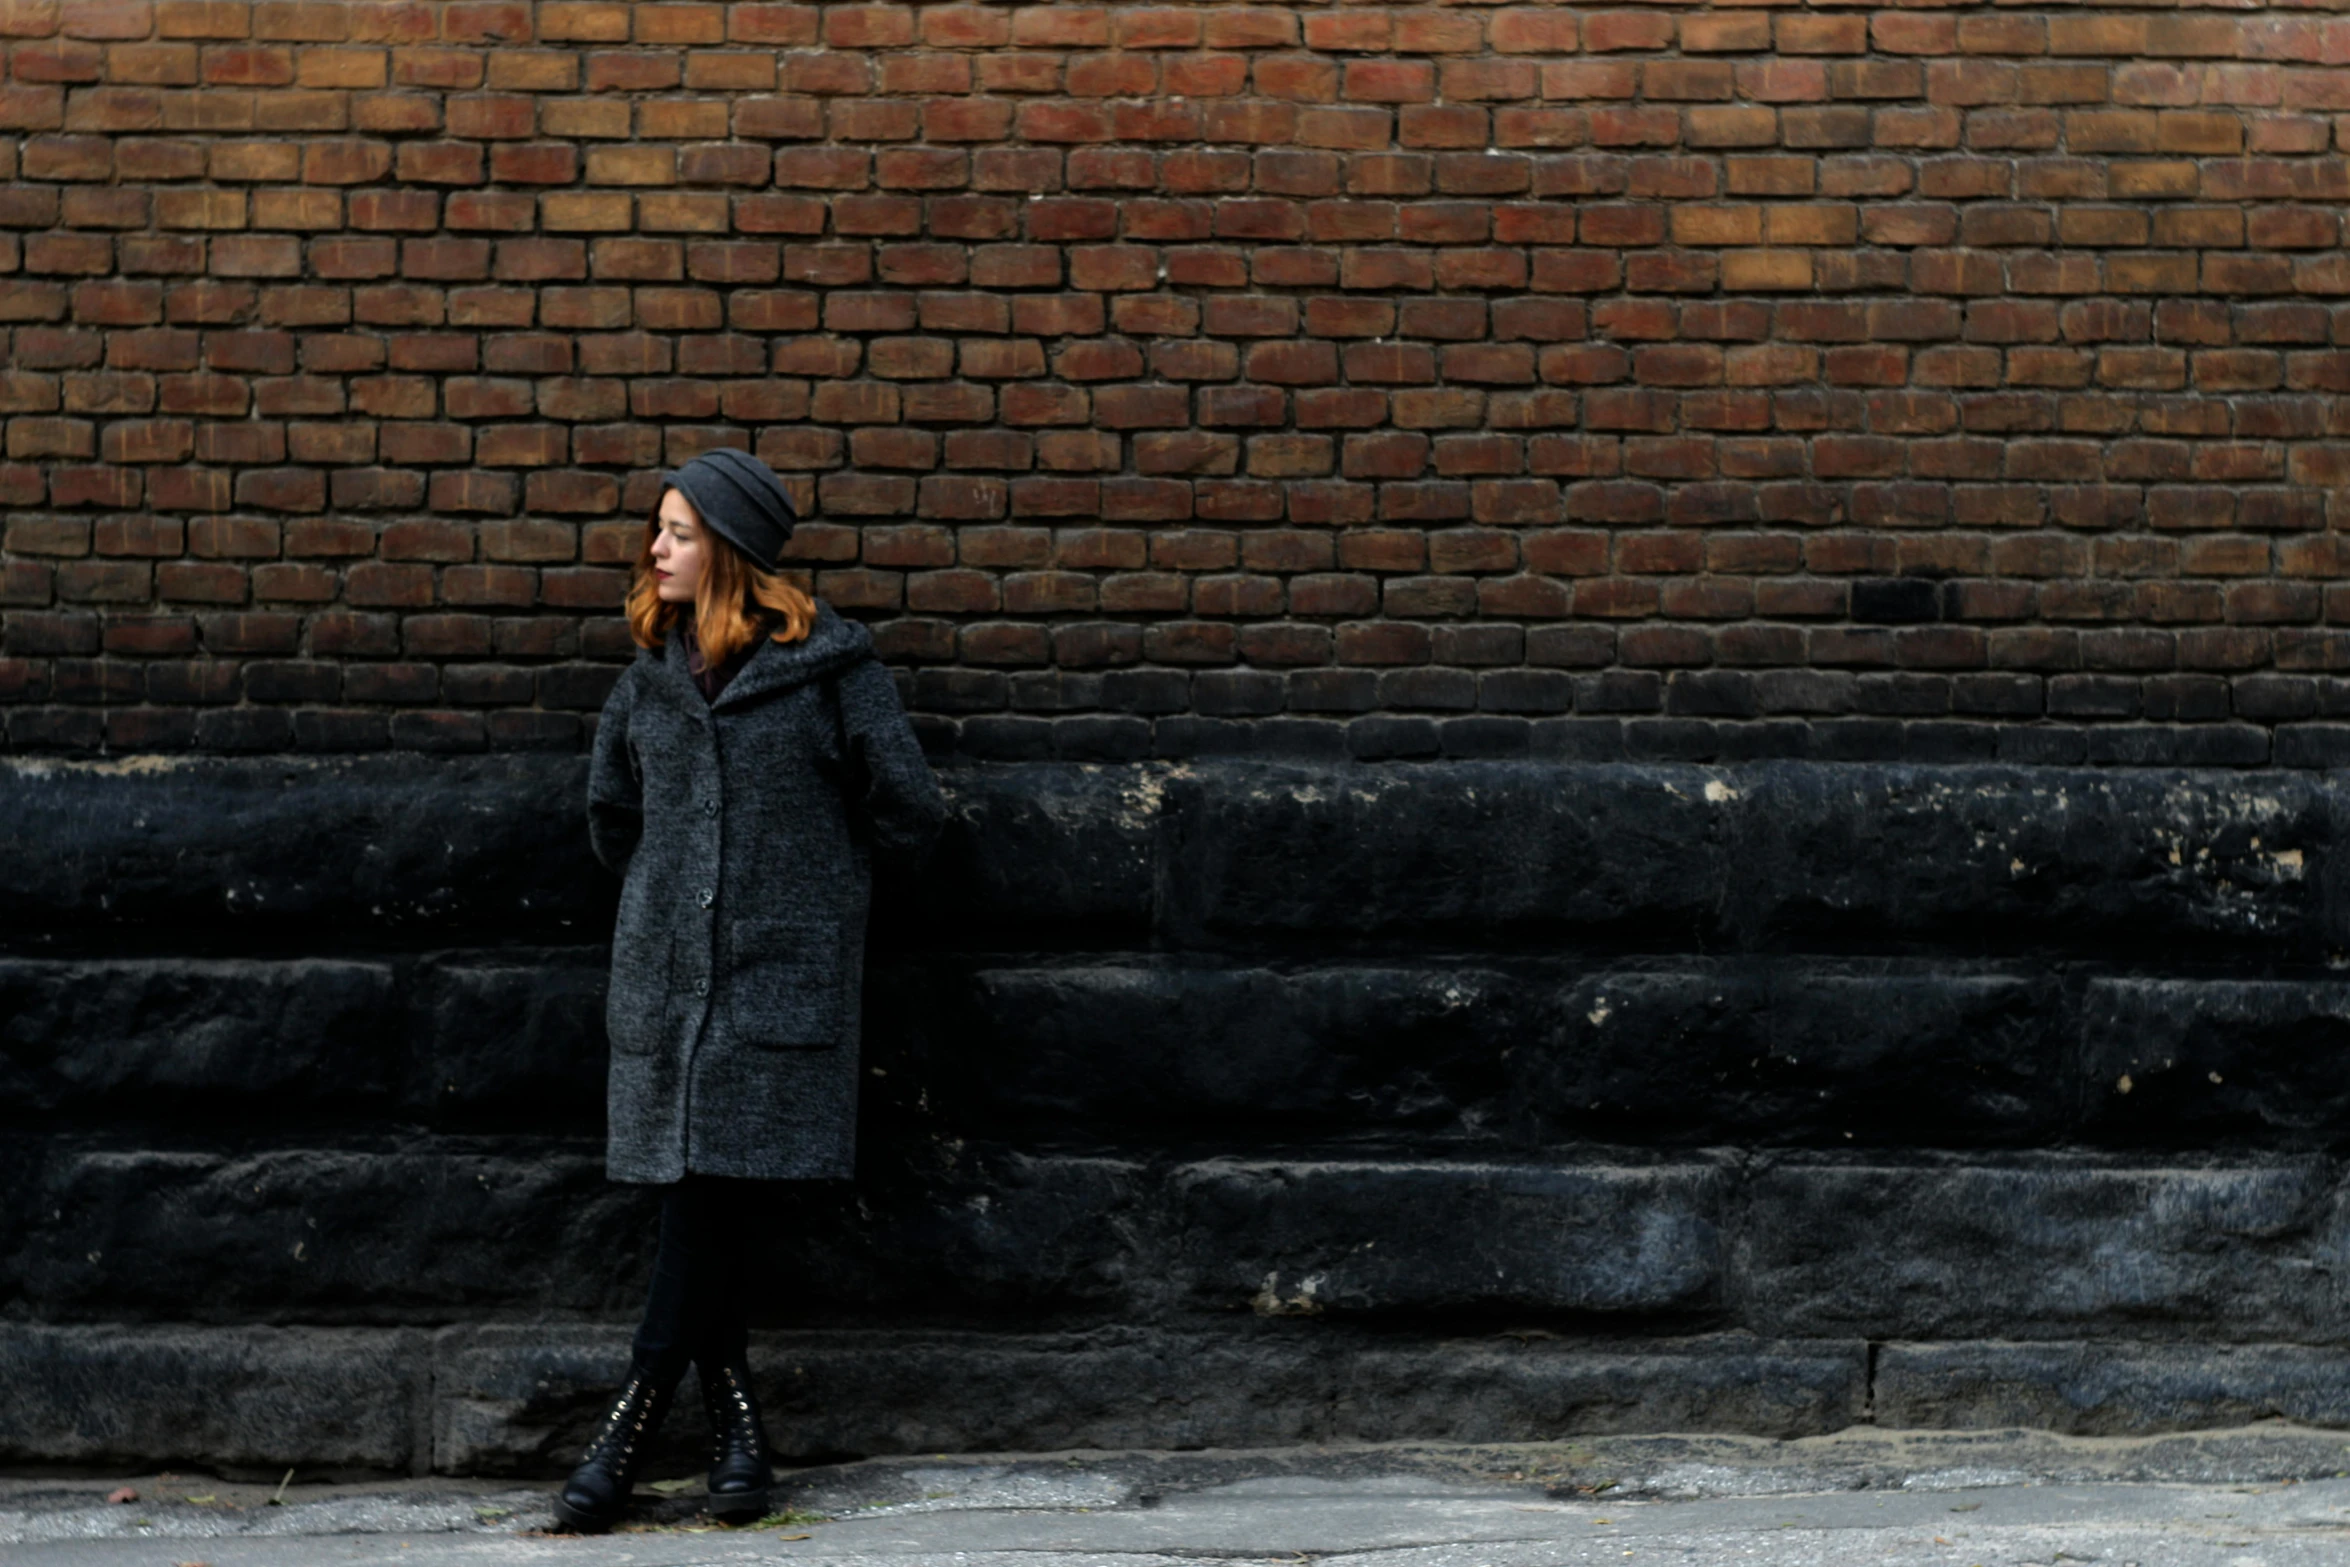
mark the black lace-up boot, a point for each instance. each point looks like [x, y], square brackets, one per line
[595, 1496]
[739, 1476]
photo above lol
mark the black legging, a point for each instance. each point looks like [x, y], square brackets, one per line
[696, 1309]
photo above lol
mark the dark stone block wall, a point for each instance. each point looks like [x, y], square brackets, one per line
[1208, 1102]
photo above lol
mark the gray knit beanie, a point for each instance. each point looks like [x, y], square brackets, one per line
[741, 500]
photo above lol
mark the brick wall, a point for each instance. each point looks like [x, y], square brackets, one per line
[1389, 379]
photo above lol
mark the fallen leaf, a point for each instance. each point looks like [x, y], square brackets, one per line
[669, 1487]
[795, 1537]
[122, 1494]
[206, 1500]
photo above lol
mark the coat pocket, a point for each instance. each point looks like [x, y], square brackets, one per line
[784, 993]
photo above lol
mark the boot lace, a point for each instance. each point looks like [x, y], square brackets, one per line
[617, 1441]
[734, 1422]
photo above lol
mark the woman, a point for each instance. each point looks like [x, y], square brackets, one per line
[747, 768]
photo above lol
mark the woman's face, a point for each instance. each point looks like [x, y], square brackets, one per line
[680, 550]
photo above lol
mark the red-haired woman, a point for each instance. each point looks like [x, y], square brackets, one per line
[748, 767]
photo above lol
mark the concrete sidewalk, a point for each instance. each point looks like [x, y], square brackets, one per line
[2265, 1496]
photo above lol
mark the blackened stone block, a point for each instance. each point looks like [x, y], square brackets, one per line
[1523, 1052]
[2044, 1249]
[349, 1399]
[1466, 854]
[525, 1398]
[206, 853]
[2022, 860]
[1857, 1053]
[1055, 853]
[512, 1039]
[932, 1234]
[2110, 1388]
[1497, 1390]
[520, 1399]
[387, 1233]
[172, 1037]
[1767, 855]
[1161, 1053]
[2194, 1061]
[432, 1227]
[1421, 1238]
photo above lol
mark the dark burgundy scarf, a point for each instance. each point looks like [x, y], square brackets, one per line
[712, 681]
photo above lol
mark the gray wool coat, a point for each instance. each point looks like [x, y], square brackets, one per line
[744, 832]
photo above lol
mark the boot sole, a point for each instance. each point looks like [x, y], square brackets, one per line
[581, 1521]
[736, 1505]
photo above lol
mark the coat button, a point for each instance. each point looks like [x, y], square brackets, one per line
[709, 807]
[708, 897]
[701, 987]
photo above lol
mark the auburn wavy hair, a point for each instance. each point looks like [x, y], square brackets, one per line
[727, 604]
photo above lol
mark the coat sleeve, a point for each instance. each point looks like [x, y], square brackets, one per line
[616, 797]
[890, 783]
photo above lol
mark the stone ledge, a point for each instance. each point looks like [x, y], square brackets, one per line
[514, 1398]
[2110, 1388]
[1239, 856]
[2044, 1247]
[243, 1397]
[519, 1399]
[214, 854]
[417, 1231]
[1501, 1052]
[1487, 1050]
[1580, 1241]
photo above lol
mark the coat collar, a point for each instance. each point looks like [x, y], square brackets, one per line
[832, 644]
